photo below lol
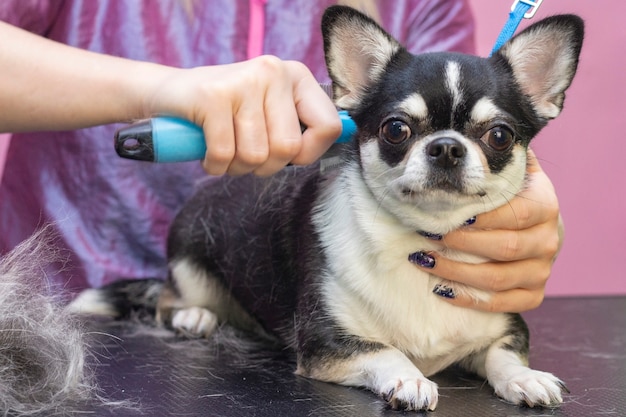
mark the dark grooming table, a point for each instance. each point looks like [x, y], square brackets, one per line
[581, 340]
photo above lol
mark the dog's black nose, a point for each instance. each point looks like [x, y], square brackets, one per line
[445, 152]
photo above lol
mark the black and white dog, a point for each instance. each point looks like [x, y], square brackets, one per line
[322, 261]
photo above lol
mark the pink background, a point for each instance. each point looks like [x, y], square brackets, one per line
[589, 182]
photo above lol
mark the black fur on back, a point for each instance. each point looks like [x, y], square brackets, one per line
[258, 258]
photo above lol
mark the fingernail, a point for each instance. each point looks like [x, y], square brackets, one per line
[422, 259]
[470, 221]
[444, 291]
[431, 236]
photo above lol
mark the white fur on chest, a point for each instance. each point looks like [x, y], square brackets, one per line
[374, 292]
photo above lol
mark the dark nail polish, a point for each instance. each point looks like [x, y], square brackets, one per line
[431, 236]
[444, 291]
[470, 221]
[422, 259]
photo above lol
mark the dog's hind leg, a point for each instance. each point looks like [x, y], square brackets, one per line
[186, 301]
[193, 302]
[505, 365]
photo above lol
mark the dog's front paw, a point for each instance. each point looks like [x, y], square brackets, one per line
[194, 322]
[411, 394]
[533, 388]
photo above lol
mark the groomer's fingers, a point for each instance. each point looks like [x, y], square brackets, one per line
[493, 276]
[317, 112]
[512, 301]
[267, 121]
[264, 79]
[541, 241]
[525, 278]
[220, 138]
[281, 119]
[251, 141]
[252, 124]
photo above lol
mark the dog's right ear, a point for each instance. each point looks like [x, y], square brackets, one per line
[357, 51]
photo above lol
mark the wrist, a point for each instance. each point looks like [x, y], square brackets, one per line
[143, 82]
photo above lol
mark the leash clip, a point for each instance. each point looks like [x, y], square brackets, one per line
[534, 6]
[521, 9]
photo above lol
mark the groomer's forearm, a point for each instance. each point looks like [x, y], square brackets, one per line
[45, 85]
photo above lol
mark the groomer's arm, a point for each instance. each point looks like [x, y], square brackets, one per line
[249, 111]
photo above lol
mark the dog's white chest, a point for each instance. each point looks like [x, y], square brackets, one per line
[374, 292]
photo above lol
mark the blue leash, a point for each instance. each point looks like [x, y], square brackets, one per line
[519, 11]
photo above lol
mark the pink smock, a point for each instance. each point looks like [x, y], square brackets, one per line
[111, 215]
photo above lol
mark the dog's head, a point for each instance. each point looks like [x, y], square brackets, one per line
[443, 136]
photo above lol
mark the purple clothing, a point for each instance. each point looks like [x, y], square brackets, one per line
[112, 214]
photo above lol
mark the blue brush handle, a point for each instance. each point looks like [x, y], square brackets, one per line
[169, 139]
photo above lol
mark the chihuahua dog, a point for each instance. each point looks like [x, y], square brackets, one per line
[324, 262]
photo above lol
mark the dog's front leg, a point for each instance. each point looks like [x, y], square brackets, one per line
[380, 368]
[505, 365]
[511, 378]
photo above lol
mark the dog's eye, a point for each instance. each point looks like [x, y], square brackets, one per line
[395, 132]
[498, 138]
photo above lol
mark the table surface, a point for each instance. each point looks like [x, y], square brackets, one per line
[581, 340]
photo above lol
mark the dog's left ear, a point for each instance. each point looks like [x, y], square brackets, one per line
[544, 58]
[357, 51]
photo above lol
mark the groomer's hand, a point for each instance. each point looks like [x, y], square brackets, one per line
[521, 239]
[251, 112]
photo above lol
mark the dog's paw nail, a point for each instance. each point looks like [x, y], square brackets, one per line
[533, 388]
[388, 396]
[417, 394]
[422, 259]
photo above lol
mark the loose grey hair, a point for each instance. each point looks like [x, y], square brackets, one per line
[42, 348]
